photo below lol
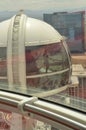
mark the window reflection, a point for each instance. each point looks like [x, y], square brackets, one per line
[3, 67]
[3, 64]
[46, 59]
[43, 64]
[12, 121]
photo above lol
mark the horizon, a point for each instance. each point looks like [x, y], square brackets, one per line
[4, 15]
[41, 5]
[36, 8]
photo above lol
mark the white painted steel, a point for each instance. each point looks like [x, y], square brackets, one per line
[4, 27]
[36, 32]
[40, 33]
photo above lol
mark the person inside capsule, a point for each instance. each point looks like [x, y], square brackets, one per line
[35, 57]
[47, 66]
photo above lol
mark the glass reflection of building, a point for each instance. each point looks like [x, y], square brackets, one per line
[33, 56]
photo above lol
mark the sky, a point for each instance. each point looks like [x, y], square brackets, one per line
[37, 5]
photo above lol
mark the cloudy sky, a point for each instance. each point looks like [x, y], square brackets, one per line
[41, 4]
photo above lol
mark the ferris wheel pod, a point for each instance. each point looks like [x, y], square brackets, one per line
[35, 54]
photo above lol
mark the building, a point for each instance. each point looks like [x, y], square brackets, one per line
[70, 25]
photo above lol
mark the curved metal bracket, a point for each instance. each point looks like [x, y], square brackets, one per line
[23, 102]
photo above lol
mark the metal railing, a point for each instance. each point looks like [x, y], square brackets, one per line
[61, 117]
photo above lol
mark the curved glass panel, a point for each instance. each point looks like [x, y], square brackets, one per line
[3, 64]
[47, 66]
[3, 67]
[46, 59]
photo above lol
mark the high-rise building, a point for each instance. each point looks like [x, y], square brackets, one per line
[70, 25]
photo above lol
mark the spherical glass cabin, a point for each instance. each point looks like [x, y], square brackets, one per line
[32, 55]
